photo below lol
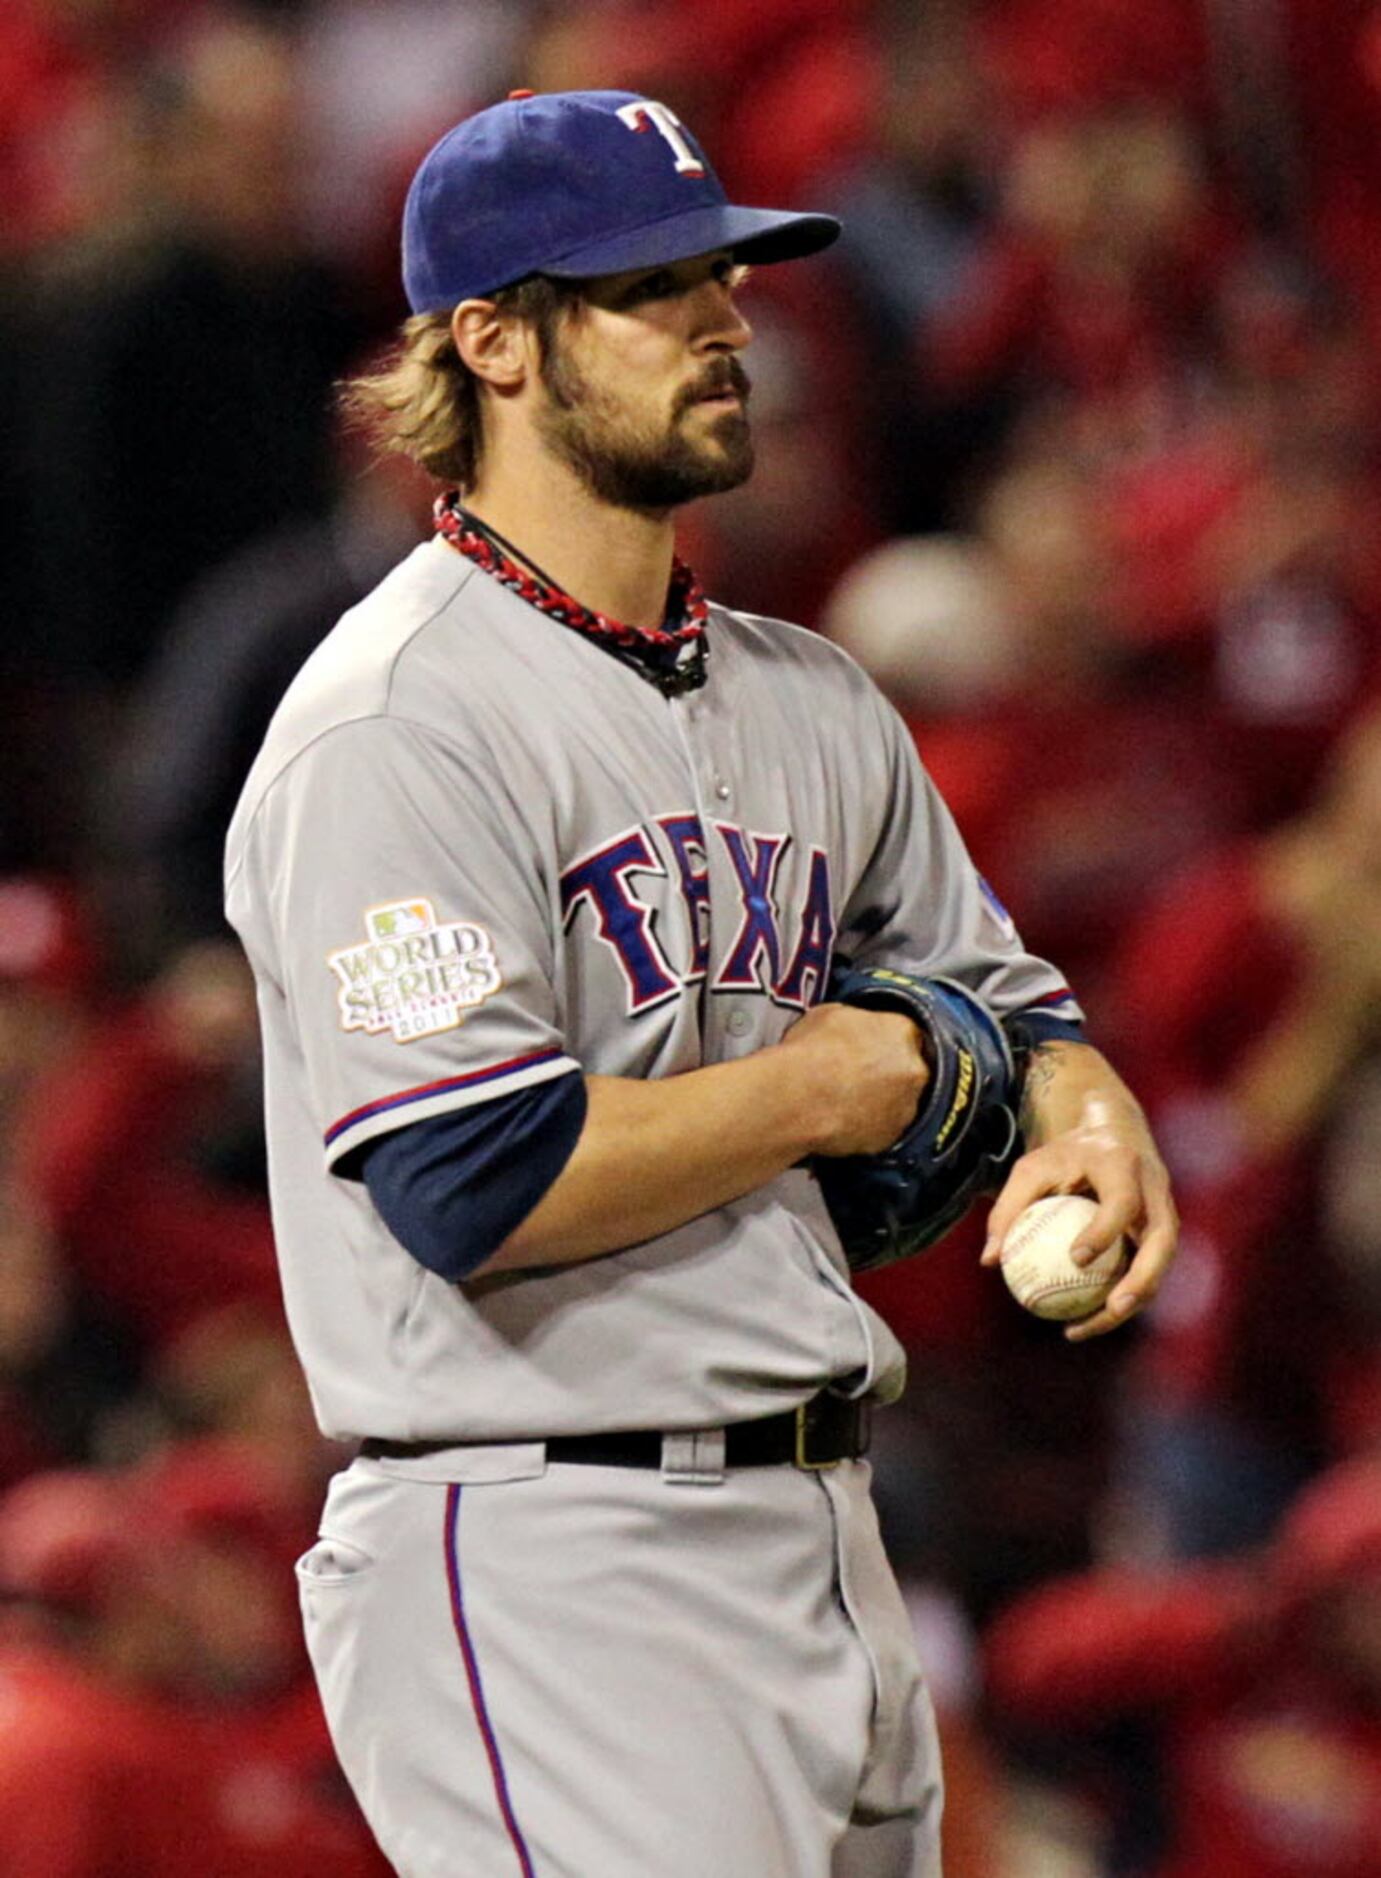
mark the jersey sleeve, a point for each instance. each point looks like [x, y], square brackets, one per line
[920, 902]
[401, 917]
[451, 1189]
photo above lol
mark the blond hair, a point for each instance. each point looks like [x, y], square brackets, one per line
[423, 401]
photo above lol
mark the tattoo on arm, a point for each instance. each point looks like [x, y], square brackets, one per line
[1040, 1073]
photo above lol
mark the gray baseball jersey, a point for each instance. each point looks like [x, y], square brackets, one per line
[475, 853]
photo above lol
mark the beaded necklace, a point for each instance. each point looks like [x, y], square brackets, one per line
[672, 657]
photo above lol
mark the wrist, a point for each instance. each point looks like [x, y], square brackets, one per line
[1070, 1089]
[801, 1108]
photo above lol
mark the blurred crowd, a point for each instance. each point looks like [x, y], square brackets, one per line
[1075, 442]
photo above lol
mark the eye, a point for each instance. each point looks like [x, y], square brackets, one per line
[656, 286]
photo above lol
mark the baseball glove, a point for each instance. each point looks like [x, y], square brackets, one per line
[962, 1141]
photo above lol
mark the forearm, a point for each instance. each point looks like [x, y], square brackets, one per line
[653, 1155]
[1071, 1086]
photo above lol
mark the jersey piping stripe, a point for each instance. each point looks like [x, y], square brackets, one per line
[472, 1676]
[1063, 996]
[425, 1090]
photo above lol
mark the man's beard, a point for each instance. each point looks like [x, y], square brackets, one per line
[631, 468]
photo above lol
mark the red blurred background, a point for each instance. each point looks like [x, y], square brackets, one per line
[1074, 441]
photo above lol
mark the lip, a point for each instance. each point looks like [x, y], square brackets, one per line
[722, 397]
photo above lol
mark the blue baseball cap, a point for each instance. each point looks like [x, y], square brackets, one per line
[575, 184]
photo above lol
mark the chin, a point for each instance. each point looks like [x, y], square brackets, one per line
[729, 451]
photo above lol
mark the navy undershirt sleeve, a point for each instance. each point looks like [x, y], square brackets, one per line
[452, 1188]
[1040, 1027]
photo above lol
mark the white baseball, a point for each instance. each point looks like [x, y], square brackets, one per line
[1040, 1273]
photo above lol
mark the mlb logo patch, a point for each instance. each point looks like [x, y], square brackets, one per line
[414, 975]
[397, 922]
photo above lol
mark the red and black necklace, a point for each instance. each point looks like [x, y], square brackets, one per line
[671, 657]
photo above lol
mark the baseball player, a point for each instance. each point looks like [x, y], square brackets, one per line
[542, 869]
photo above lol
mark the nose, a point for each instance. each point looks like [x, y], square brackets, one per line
[720, 325]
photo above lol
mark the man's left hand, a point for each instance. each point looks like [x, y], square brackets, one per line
[1089, 1135]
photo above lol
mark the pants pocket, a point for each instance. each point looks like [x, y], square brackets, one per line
[332, 1561]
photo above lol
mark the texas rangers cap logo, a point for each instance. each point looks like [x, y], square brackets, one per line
[414, 975]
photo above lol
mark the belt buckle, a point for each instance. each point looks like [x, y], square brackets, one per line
[801, 1457]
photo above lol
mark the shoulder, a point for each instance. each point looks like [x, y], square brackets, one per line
[778, 646]
[411, 653]
[802, 666]
[414, 617]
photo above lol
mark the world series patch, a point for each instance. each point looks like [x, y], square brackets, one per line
[414, 975]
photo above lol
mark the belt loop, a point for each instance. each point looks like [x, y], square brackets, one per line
[694, 1460]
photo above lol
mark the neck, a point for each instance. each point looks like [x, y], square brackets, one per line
[615, 561]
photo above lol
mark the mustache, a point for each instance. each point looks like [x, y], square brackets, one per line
[724, 375]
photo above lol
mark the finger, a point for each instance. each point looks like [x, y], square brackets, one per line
[1121, 1207]
[1030, 1179]
[1101, 1322]
[1144, 1276]
[1139, 1283]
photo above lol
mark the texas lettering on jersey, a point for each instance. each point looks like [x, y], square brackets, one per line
[787, 960]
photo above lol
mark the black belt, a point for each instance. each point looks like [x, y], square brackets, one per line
[820, 1433]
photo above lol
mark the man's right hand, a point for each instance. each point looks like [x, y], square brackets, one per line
[862, 1076]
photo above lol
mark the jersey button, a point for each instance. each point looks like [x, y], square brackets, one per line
[722, 790]
[740, 1023]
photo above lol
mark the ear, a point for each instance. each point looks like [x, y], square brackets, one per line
[493, 344]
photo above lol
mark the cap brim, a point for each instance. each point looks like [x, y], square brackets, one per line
[757, 235]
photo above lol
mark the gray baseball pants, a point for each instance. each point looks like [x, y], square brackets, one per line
[600, 1672]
